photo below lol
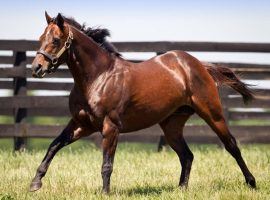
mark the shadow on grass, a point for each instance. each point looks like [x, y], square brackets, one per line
[6, 197]
[147, 190]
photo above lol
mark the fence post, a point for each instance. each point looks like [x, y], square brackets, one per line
[19, 88]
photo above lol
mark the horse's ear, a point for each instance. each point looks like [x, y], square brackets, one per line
[59, 20]
[48, 18]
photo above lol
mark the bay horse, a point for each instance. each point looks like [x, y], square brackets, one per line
[112, 95]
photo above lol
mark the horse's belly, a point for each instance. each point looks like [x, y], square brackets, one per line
[145, 114]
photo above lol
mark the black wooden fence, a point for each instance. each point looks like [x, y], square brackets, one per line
[15, 74]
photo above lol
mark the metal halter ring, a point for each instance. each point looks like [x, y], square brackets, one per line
[54, 61]
[67, 44]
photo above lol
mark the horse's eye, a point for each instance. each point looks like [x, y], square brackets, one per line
[56, 41]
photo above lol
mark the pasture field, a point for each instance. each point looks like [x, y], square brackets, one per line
[139, 173]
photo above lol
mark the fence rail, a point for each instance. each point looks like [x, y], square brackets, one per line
[163, 46]
[23, 104]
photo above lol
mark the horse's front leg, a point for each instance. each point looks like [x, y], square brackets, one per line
[109, 143]
[71, 133]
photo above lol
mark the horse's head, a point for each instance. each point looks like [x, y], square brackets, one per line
[54, 46]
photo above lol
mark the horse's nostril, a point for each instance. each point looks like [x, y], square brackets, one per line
[38, 68]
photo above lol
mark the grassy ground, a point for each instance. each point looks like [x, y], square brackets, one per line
[139, 173]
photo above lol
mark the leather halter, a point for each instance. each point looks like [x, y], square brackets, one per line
[54, 58]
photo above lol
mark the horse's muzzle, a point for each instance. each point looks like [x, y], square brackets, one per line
[38, 72]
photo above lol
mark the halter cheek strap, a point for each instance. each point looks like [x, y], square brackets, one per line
[54, 58]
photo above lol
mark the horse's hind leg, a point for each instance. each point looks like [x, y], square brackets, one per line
[173, 130]
[110, 135]
[162, 143]
[70, 134]
[209, 108]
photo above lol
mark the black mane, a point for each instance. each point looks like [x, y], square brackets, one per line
[97, 34]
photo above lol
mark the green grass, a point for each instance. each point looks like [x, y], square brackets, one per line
[139, 173]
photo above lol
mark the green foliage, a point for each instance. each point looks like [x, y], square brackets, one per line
[251, 122]
[6, 119]
[36, 120]
[48, 120]
[139, 173]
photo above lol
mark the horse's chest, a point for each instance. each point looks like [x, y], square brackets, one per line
[97, 103]
[106, 95]
[81, 111]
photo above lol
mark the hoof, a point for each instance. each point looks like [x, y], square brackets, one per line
[251, 182]
[106, 191]
[35, 186]
[183, 185]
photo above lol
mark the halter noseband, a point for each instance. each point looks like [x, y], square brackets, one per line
[54, 58]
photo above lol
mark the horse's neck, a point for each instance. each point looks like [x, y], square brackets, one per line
[87, 60]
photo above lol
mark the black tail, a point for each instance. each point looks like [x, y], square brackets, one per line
[225, 76]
